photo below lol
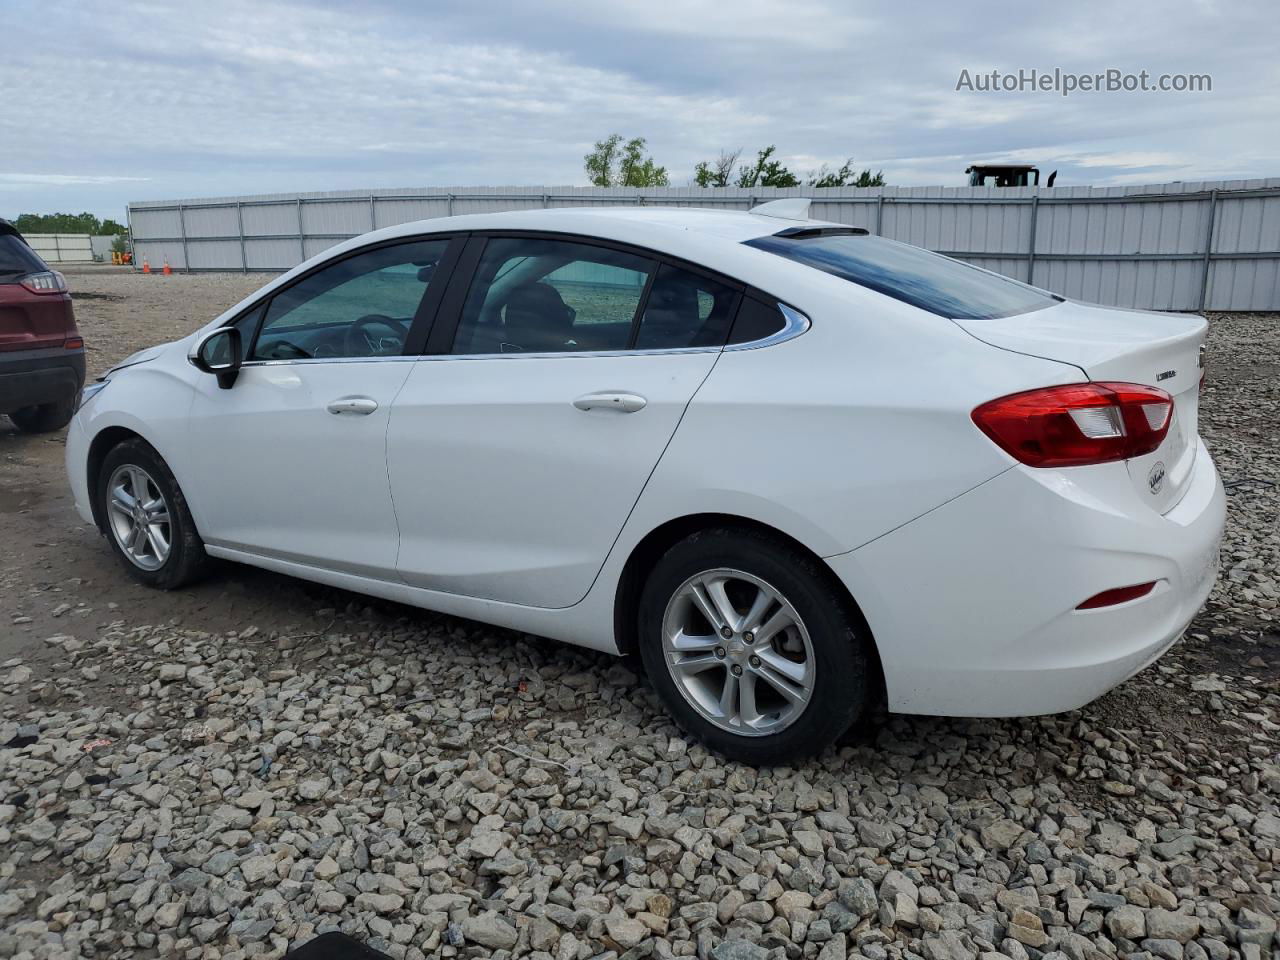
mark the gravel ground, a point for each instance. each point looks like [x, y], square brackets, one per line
[228, 771]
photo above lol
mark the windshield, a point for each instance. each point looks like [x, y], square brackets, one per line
[913, 275]
[17, 259]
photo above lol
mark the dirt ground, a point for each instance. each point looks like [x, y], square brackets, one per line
[58, 577]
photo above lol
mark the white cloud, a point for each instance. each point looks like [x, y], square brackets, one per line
[241, 97]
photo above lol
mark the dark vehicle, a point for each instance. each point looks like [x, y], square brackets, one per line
[1006, 175]
[41, 351]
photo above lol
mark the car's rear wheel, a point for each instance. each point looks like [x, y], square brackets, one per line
[45, 417]
[146, 518]
[750, 647]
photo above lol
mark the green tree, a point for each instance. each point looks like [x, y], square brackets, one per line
[66, 223]
[767, 172]
[845, 177]
[616, 164]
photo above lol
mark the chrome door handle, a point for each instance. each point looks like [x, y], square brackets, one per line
[622, 402]
[360, 406]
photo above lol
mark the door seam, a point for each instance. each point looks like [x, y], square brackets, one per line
[643, 487]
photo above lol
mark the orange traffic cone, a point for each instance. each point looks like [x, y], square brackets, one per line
[167, 269]
[146, 267]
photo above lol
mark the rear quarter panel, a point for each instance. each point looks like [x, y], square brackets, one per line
[838, 436]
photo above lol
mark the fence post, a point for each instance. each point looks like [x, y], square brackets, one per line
[132, 247]
[1031, 244]
[182, 228]
[1208, 250]
[244, 256]
[373, 219]
[302, 240]
[448, 210]
[880, 214]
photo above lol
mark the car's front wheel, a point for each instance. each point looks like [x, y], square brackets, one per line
[749, 646]
[146, 518]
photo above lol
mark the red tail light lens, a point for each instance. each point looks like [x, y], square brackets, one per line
[1078, 424]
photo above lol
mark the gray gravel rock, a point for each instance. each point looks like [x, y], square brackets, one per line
[440, 788]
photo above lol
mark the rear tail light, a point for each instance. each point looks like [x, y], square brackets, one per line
[47, 281]
[73, 343]
[1109, 598]
[1078, 424]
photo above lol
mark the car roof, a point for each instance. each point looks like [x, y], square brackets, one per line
[629, 222]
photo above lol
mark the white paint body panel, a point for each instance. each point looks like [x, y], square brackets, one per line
[477, 489]
[319, 480]
[504, 489]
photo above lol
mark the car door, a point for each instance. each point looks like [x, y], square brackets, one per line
[290, 462]
[518, 446]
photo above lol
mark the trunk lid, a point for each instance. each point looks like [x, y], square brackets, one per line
[1133, 346]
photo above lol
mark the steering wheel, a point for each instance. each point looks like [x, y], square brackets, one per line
[359, 342]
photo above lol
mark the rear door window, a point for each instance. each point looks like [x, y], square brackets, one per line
[685, 309]
[536, 295]
[913, 275]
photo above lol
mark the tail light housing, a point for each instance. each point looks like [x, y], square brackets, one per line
[1078, 424]
[46, 281]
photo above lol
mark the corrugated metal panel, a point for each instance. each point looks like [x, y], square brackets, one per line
[1140, 246]
[102, 247]
[271, 220]
[61, 247]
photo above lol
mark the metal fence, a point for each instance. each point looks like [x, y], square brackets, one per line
[1178, 246]
[61, 247]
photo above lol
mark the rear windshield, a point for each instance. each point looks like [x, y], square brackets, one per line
[17, 259]
[913, 275]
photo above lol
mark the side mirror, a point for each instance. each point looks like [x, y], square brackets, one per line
[218, 352]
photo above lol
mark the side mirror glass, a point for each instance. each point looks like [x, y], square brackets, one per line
[218, 352]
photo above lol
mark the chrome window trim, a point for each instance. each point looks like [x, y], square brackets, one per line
[796, 324]
[569, 354]
[276, 363]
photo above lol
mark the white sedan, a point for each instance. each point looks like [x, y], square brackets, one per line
[800, 470]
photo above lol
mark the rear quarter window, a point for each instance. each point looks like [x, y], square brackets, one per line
[913, 275]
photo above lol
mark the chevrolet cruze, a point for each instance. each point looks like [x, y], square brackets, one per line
[797, 469]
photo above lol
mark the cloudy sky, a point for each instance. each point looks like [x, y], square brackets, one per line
[110, 102]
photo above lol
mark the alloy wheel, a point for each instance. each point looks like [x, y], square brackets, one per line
[139, 517]
[738, 652]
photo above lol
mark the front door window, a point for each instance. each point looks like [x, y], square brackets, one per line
[361, 306]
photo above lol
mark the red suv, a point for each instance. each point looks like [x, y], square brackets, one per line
[41, 351]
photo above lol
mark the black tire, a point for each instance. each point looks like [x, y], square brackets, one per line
[843, 683]
[186, 561]
[46, 417]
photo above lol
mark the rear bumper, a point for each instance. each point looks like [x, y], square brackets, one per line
[33, 377]
[973, 606]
